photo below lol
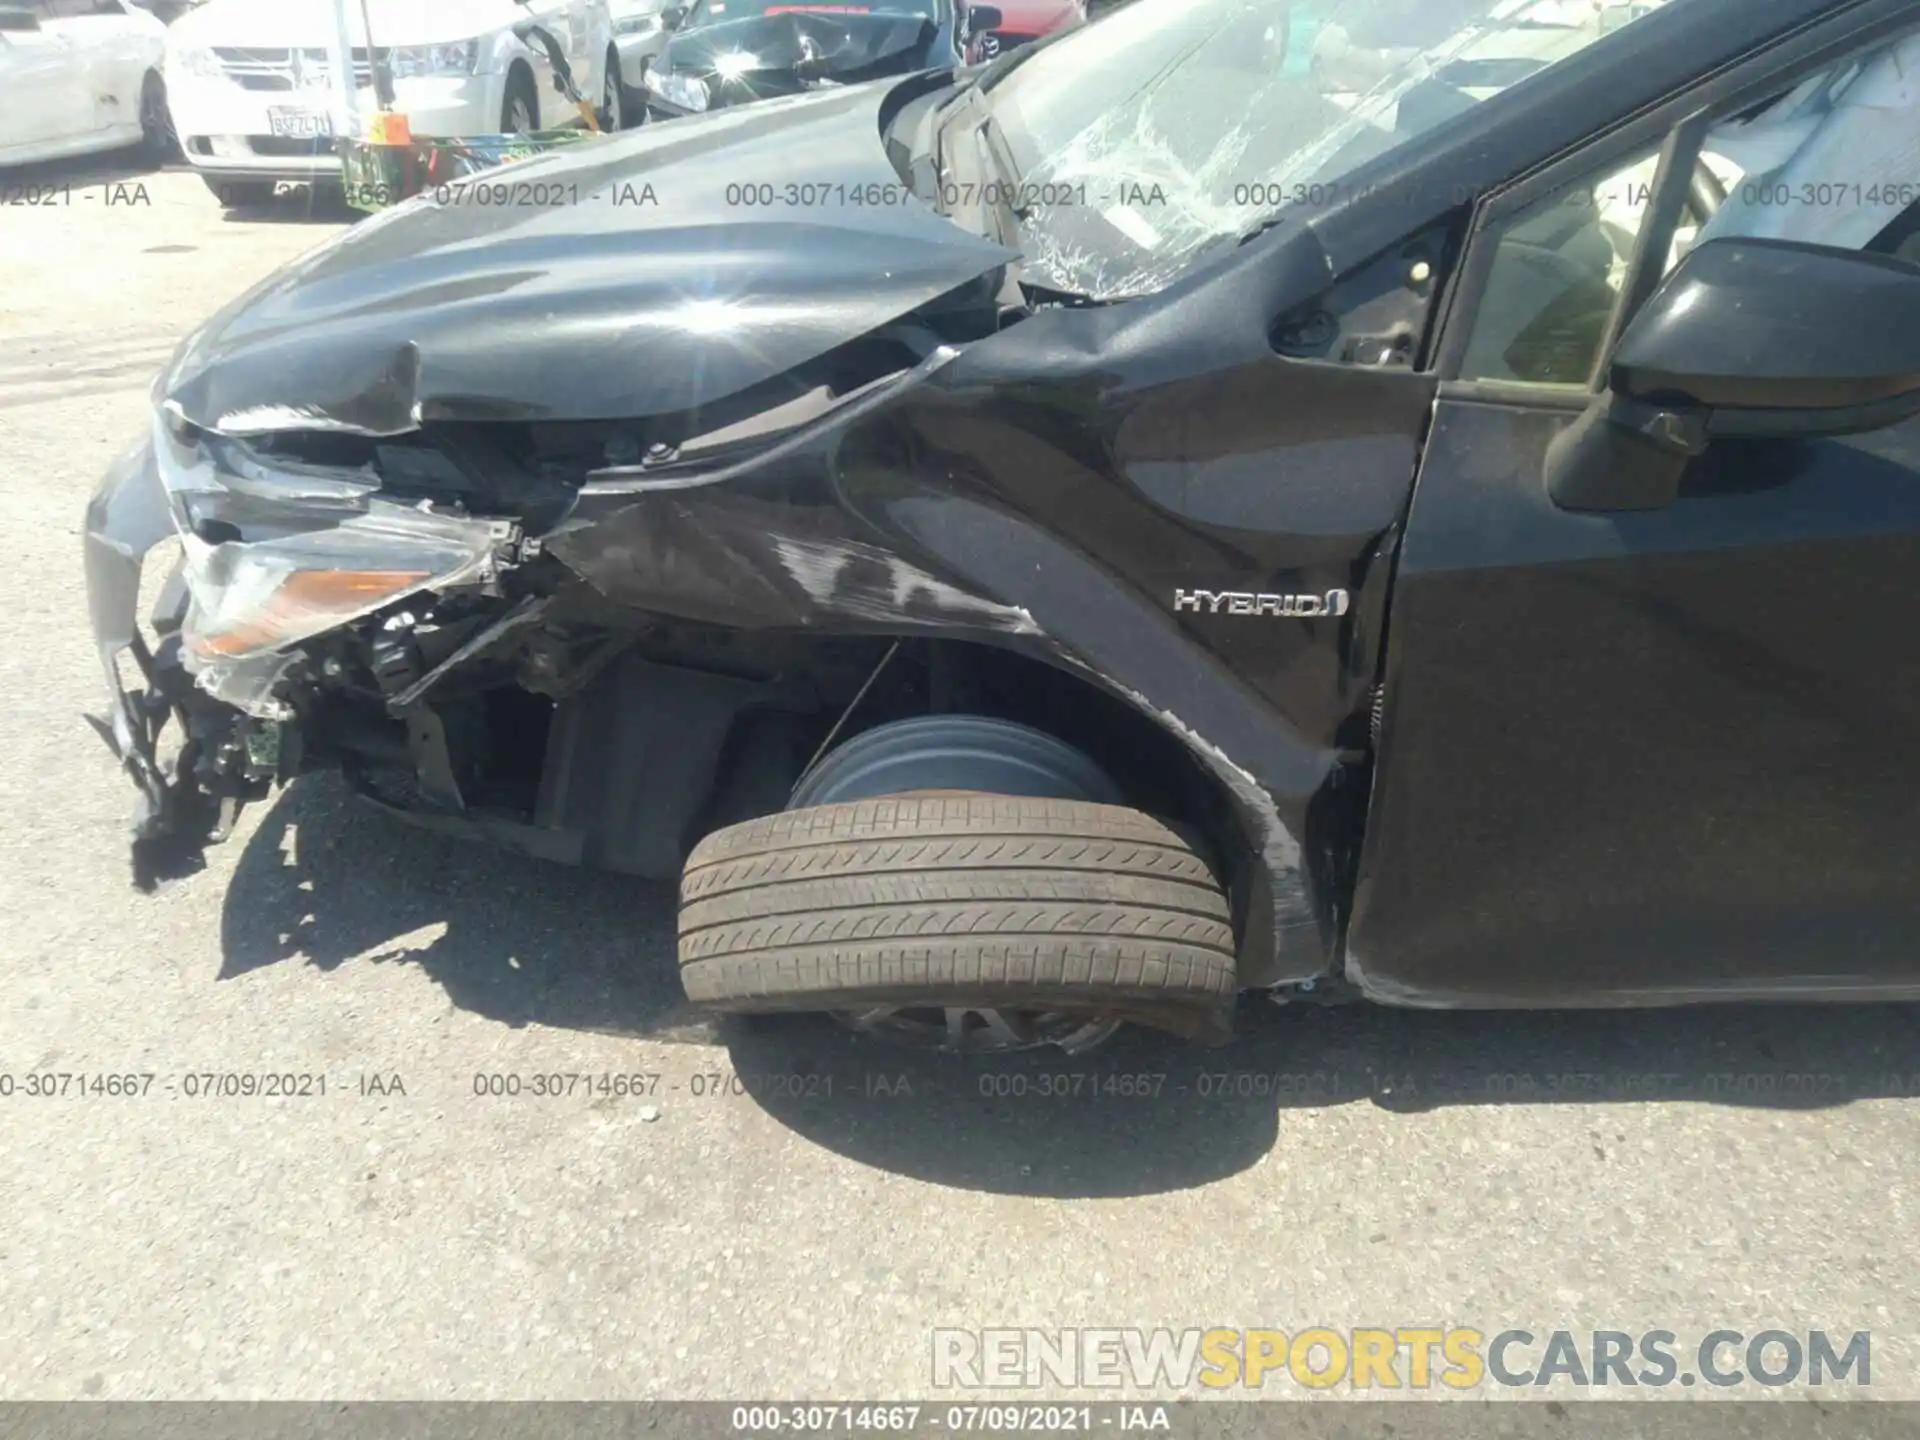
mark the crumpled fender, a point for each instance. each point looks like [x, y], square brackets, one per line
[1049, 489]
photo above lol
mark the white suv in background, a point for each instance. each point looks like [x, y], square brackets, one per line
[78, 76]
[252, 87]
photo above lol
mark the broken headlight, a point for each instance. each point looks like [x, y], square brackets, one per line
[689, 92]
[276, 552]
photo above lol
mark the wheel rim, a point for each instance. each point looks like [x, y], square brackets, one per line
[519, 119]
[979, 1029]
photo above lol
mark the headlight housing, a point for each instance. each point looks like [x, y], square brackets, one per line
[636, 24]
[412, 62]
[194, 60]
[277, 552]
[689, 92]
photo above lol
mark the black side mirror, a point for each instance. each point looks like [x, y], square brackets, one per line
[672, 16]
[981, 18]
[1747, 339]
[19, 20]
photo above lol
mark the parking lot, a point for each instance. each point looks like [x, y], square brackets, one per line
[763, 1211]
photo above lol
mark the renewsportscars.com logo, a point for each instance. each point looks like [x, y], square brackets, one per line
[1454, 1357]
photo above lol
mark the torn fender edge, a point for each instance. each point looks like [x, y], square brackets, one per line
[1094, 624]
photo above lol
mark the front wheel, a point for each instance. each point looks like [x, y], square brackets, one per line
[971, 921]
[158, 141]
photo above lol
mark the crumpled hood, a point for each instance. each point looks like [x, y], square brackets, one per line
[614, 278]
[845, 46]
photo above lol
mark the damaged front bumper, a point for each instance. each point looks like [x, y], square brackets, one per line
[270, 558]
[194, 796]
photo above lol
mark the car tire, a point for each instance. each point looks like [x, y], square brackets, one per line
[613, 99]
[241, 194]
[953, 899]
[159, 144]
[522, 100]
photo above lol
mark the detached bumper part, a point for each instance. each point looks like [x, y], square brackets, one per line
[274, 554]
[192, 801]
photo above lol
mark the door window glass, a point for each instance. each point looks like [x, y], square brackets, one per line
[1557, 270]
[1834, 161]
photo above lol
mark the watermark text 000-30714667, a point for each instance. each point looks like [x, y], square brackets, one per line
[1384, 1359]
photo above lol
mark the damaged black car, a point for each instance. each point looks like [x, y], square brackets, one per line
[1075, 542]
[722, 53]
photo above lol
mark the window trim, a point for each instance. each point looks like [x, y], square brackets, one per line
[1678, 126]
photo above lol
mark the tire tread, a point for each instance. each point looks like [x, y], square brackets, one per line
[967, 896]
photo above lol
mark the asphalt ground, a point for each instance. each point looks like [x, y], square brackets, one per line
[774, 1210]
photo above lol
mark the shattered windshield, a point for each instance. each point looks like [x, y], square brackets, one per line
[1172, 125]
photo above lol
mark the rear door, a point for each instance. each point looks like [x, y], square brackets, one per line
[1665, 754]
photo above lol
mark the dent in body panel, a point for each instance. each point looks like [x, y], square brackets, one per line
[1386, 990]
[841, 578]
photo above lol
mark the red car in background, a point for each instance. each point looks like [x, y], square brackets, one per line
[1023, 21]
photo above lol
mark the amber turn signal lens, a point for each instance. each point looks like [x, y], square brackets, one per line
[304, 597]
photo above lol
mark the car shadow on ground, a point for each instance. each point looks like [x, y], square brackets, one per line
[324, 880]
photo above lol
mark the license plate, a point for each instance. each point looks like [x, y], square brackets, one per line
[299, 124]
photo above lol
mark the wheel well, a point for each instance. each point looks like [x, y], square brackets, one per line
[1157, 772]
[859, 685]
[641, 749]
[519, 72]
[613, 85]
[1154, 768]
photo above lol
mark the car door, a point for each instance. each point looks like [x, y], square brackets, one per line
[47, 100]
[107, 54]
[1667, 753]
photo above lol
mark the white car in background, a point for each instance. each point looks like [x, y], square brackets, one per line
[252, 89]
[77, 76]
